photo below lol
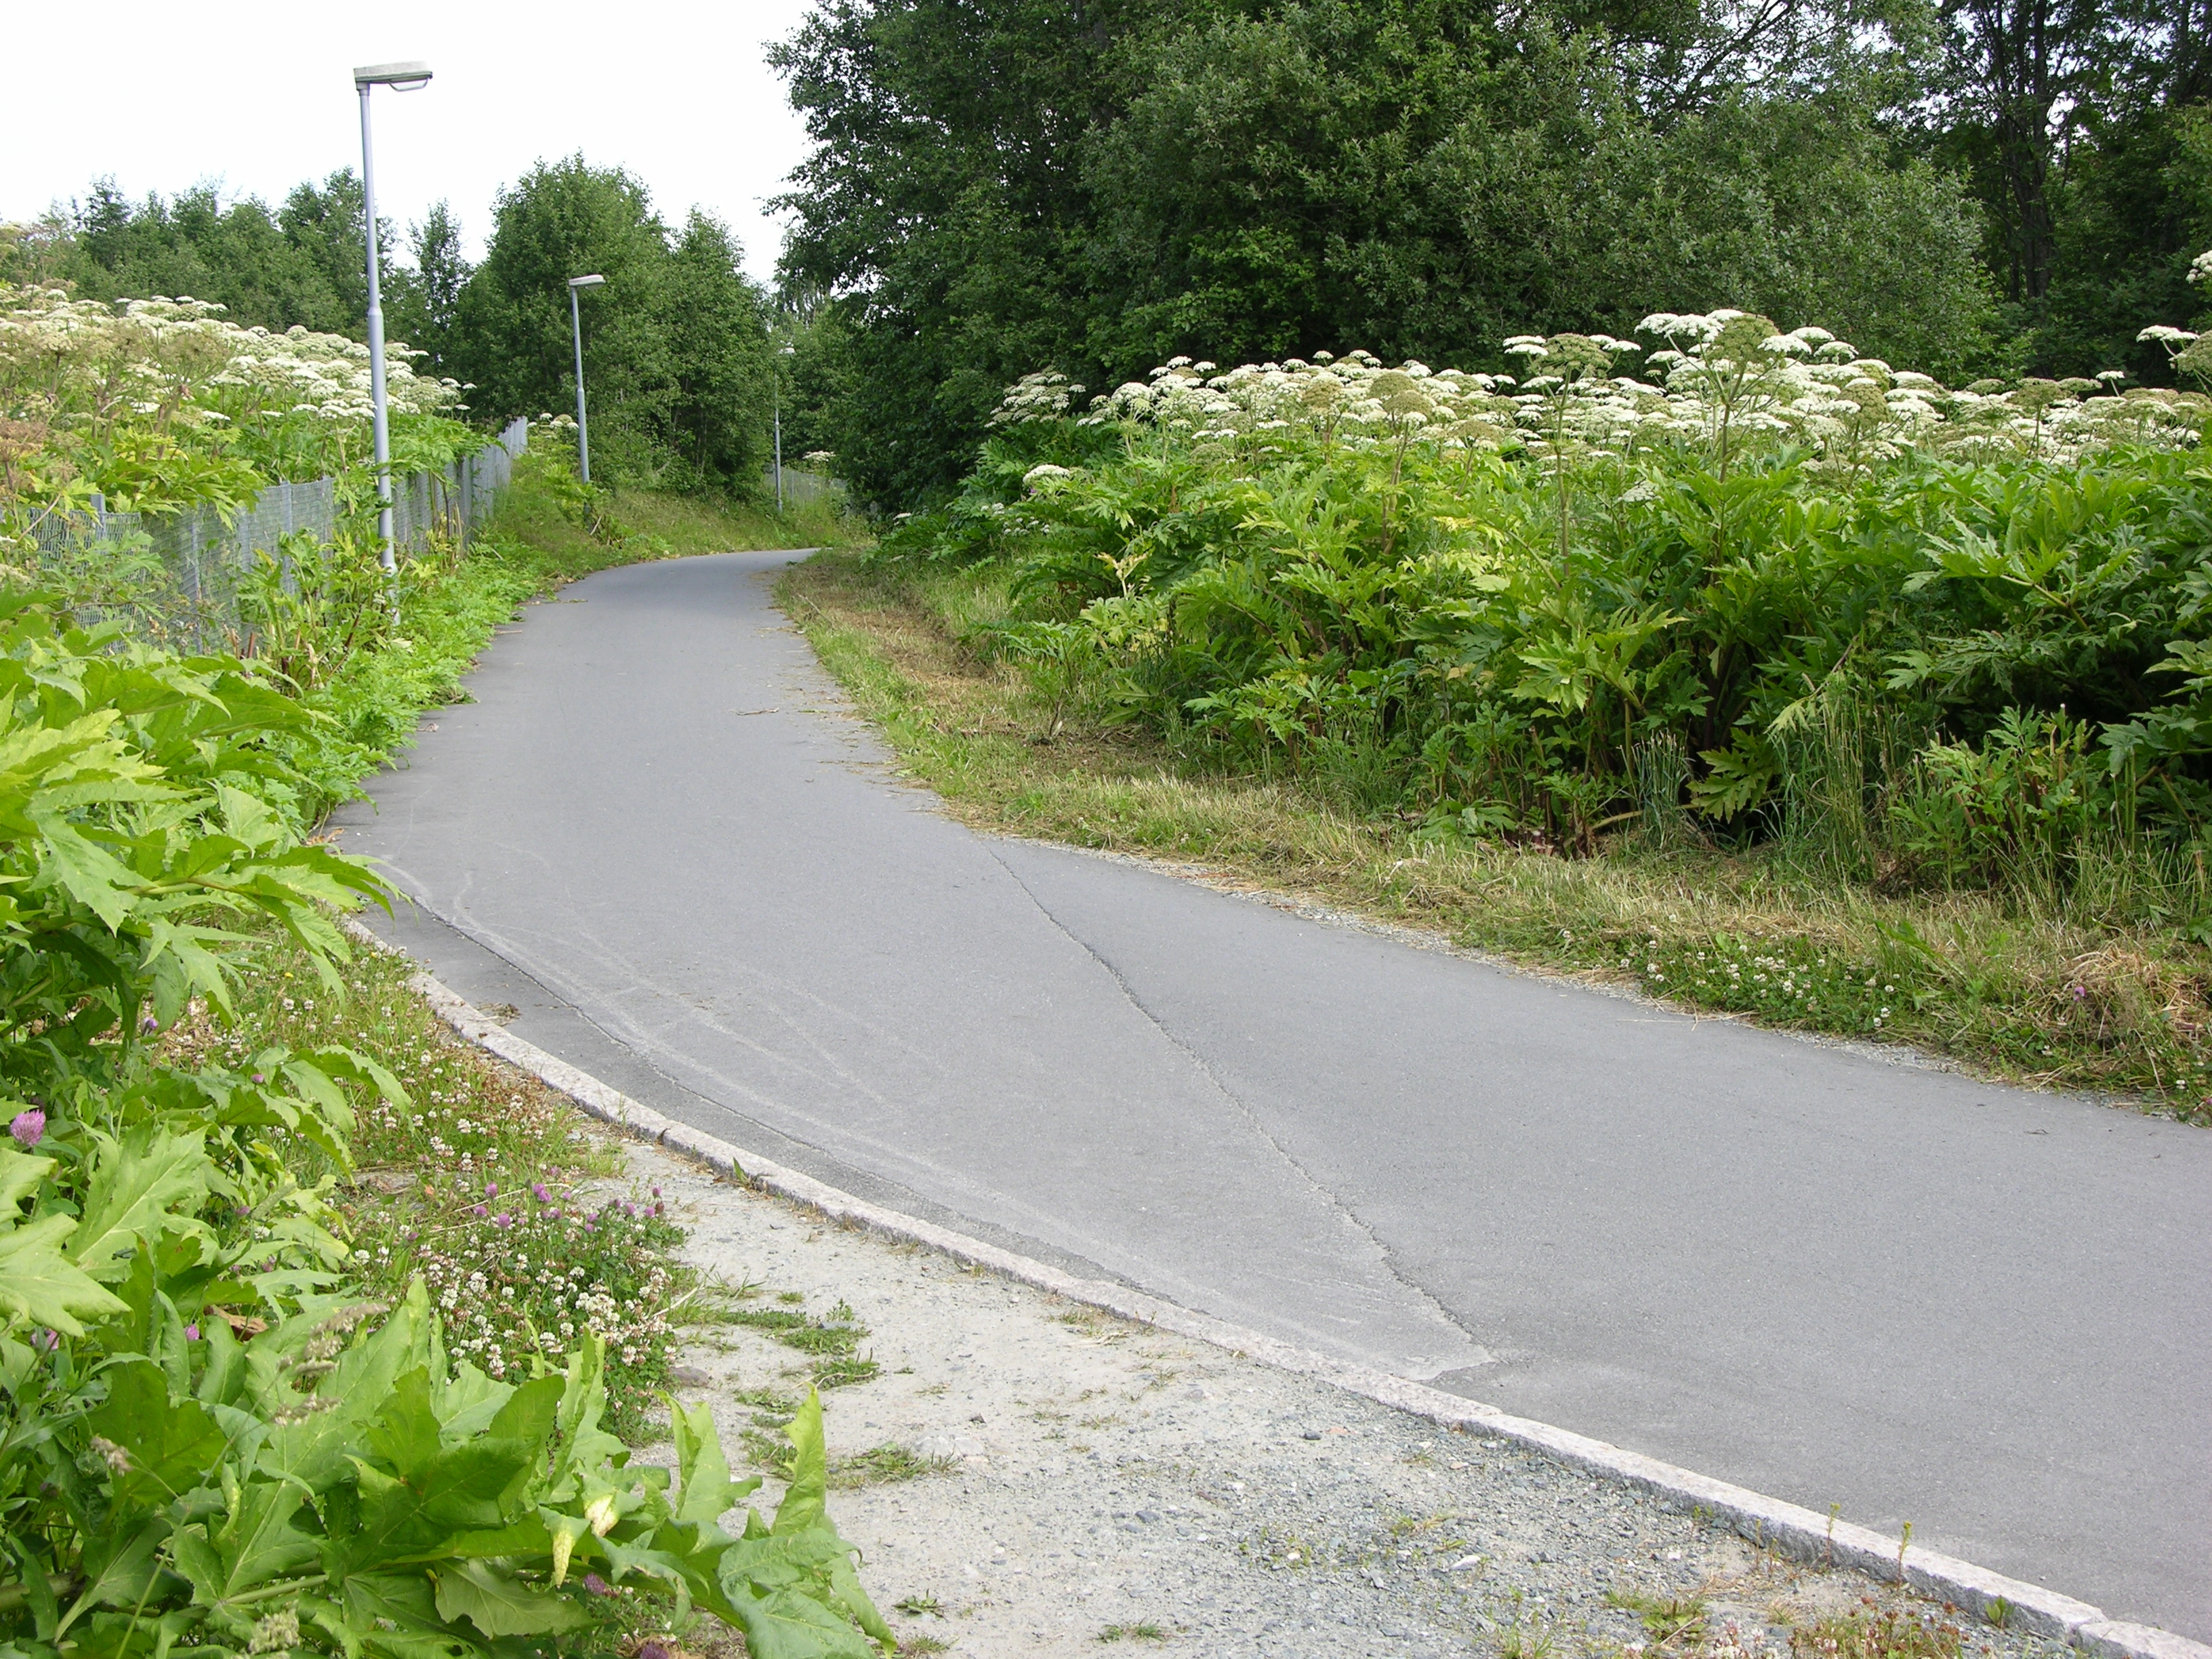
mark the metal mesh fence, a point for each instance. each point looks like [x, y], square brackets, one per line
[800, 488]
[190, 562]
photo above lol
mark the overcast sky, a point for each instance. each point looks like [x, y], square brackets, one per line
[257, 96]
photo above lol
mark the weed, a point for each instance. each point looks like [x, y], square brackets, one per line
[1143, 1630]
[916, 1606]
[844, 1373]
[767, 1400]
[886, 1464]
[1669, 1620]
[1874, 1632]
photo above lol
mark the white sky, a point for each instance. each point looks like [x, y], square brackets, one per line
[257, 96]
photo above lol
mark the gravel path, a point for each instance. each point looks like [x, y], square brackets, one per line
[1091, 1481]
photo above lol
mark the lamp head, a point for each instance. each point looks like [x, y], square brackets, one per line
[594, 281]
[410, 77]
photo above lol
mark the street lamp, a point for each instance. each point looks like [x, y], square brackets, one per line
[576, 325]
[400, 77]
[776, 395]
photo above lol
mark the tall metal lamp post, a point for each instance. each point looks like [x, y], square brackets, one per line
[776, 384]
[576, 325]
[400, 77]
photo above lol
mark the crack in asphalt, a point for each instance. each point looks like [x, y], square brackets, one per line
[1421, 1295]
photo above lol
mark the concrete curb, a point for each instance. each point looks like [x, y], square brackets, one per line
[1767, 1522]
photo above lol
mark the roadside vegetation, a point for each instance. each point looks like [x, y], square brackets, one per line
[317, 1333]
[1729, 661]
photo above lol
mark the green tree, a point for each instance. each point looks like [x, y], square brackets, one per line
[1002, 186]
[718, 338]
[673, 344]
[428, 304]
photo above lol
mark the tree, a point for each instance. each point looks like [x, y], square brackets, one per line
[428, 305]
[718, 339]
[674, 342]
[1004, 186]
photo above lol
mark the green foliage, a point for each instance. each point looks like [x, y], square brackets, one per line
[1932, 639]
[132, 809]
[208, 1437]
[993, 191]
[330, 1488]
[675, 343]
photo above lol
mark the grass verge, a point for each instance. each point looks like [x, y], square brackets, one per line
[2023, 996]
[484, 1182]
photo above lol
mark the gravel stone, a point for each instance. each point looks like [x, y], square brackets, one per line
[1101, 1476]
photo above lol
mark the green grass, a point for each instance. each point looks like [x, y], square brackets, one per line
[529, 531]
[2018, 992]
[887, 1465]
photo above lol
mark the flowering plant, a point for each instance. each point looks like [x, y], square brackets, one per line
[1662, 581]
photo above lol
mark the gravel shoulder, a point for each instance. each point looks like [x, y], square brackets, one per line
[1071, 1479]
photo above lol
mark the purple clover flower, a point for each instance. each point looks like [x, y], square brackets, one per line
[28, 1127]
[596, 1585]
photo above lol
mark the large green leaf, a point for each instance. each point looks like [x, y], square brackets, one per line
[42, 1286]
[258, 1541]
[708, 1494]
[499, 1604]
[416, 1519]
[314, 1450]
[138, 1185]
[120, 1568]
[791, 1624]
[164, 1448]
[805, 1499]
[20, 1173]
[395, 1615]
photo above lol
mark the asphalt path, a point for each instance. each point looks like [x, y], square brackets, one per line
[1832, 1278]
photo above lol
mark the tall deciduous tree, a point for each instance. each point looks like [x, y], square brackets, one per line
[1000, 185]
[674, 342]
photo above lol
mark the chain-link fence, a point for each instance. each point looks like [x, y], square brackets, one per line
[198, 558]
[800, 488]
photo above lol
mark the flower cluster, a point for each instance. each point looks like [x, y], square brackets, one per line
[1789, 981]
[112, 392]
[1716, 382]
[85, 357]
[526, 1273]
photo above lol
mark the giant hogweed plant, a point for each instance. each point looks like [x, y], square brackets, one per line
[1517, 595]
[160, 405]
[209, 1438]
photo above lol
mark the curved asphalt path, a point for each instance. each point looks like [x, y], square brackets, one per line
[1808, 1272]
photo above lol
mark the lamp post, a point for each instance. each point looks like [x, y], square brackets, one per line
[776, 396]
[576, 327]
[400, 77]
